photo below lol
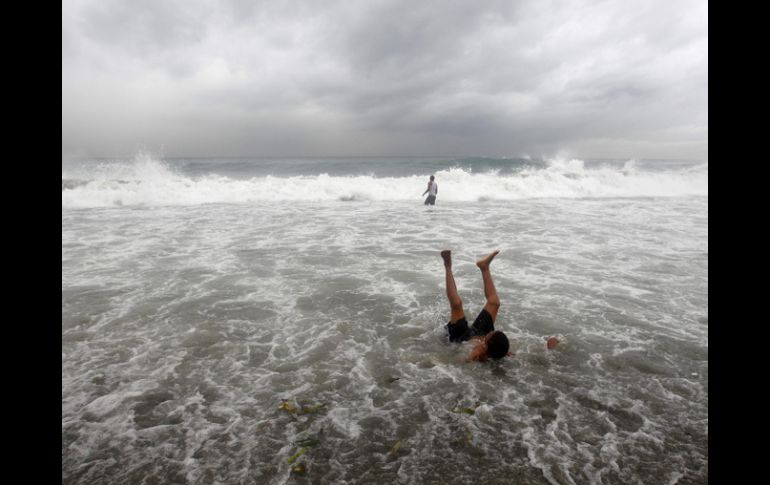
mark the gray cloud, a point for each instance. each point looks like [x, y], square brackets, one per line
[592, 78]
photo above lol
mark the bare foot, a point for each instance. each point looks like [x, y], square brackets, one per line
[447, 256]
[483, 263]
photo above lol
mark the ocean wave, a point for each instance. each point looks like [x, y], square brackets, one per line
[146, 181]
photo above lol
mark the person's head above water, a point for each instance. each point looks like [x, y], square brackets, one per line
[497, 344]
[494, 344]
[432, 177]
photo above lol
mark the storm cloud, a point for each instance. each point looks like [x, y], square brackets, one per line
[291, 78]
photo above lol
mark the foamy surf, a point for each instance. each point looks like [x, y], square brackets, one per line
[215, 342]
[147, 181]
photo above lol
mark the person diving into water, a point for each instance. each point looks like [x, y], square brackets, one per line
[488, 341]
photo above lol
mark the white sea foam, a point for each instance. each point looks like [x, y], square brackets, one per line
[151, 182]
[200, 319]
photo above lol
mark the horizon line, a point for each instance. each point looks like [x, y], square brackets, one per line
[285, 157]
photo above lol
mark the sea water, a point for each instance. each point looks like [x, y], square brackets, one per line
[282, 321]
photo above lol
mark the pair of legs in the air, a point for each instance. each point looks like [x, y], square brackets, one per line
[455, 303]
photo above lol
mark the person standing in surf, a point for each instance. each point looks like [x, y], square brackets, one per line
[432, 190]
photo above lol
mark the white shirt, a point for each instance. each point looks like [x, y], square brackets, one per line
[432, 187]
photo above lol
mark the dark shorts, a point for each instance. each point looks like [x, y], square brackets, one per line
[460, 331]
[430, 200]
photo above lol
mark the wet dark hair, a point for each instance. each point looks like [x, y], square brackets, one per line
[497, 345]
[431, 177]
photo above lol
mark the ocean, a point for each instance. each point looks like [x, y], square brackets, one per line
[275, 321]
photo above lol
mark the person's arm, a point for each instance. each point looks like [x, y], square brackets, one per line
[426, 190]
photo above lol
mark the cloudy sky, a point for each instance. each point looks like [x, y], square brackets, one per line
[587, 78]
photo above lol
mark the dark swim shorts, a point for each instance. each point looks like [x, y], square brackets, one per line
[430, 200]
[460, 332]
